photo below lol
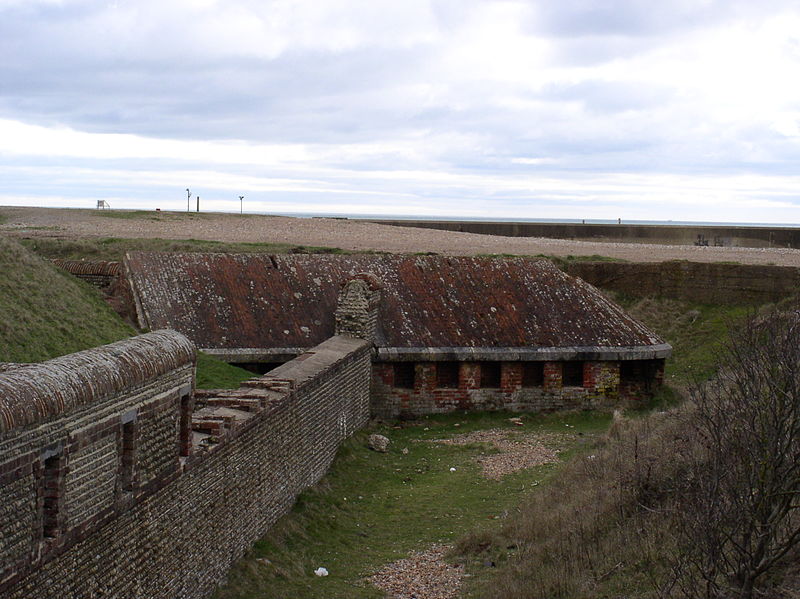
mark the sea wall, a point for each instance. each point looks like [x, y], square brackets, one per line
[95, 506]
[632, 233]
[709, 283]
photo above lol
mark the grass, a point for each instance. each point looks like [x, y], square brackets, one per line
[129, 214]
[374, 508]
[113, 248]
[45, 312]
[560, 261]
[695, 331]
[216, 374]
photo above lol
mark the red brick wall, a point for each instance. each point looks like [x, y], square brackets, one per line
[601, 384]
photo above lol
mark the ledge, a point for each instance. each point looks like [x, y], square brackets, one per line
[521, 354]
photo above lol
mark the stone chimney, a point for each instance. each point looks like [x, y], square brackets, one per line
[357, 308]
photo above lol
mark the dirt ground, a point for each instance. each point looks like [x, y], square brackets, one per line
[353, 235]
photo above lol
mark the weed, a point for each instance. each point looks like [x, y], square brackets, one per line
[216, 374]
[112, 248]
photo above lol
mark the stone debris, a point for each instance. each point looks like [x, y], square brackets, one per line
[516, 451]
[422, 575]
[378, 443]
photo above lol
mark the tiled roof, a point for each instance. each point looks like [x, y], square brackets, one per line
[229, 301]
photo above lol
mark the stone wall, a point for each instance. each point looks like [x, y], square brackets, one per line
[153, 524]
[98, 273]
[706, 283]
[415, 388]
[722, 235]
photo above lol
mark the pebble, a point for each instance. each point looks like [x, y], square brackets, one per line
[422, 575]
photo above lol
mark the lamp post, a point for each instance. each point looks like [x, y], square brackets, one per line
[188, 197]
[241, 199]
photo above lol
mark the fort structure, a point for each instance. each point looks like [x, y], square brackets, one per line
[450, 332]
[119, 479]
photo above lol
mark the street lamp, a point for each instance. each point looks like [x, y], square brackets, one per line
[188, 197]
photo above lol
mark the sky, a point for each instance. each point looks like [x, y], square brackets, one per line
[684, 110]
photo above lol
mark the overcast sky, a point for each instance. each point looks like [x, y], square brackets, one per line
[684, 110]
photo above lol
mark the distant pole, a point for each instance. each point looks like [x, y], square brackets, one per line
[198, 203]
[188, 197]
[241, 198]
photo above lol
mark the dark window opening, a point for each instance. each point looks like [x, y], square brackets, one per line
[53, 475]
[447, 375]
[572, 374]
[404, 374]
[187, 406]
[128, 454]
[490, 375]
[630, 371]
[533, 374]
[258, 367]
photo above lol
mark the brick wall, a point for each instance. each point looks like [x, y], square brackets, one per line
[187, 521]
[600, 383]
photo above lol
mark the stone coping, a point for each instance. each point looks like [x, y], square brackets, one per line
[464, 354]
[42, 391]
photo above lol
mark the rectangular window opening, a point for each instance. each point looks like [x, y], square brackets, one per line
[53, 475]
[128, 454]
[404, 375]
[533, 374]
[447, 375]
[572, 374]
[490, 375]
[185, 440]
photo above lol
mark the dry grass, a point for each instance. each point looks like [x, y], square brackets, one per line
[600, 529]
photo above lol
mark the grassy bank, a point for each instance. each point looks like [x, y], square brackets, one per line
[114, 248]
[45, 312]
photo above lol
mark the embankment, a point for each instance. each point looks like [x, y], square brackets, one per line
[706, 283]
[724, 236]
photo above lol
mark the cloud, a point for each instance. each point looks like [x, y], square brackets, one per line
[428, 101]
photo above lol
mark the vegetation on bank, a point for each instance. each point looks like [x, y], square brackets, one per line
[697, 502]
[45, 312]
[114, 248]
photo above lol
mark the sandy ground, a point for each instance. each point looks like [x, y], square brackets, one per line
[354, 235]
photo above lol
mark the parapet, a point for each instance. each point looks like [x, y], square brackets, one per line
[43, 391]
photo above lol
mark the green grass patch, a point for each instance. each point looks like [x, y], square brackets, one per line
[697, 332]
[129, 214]
[45, 312]
[216, 374]
[560, 261]
[374, 508]
[113, 248]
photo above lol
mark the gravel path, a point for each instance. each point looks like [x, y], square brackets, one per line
[354, 235]
[422, 575]
[516, 451]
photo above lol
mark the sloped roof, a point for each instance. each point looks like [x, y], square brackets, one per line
[229, 301]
